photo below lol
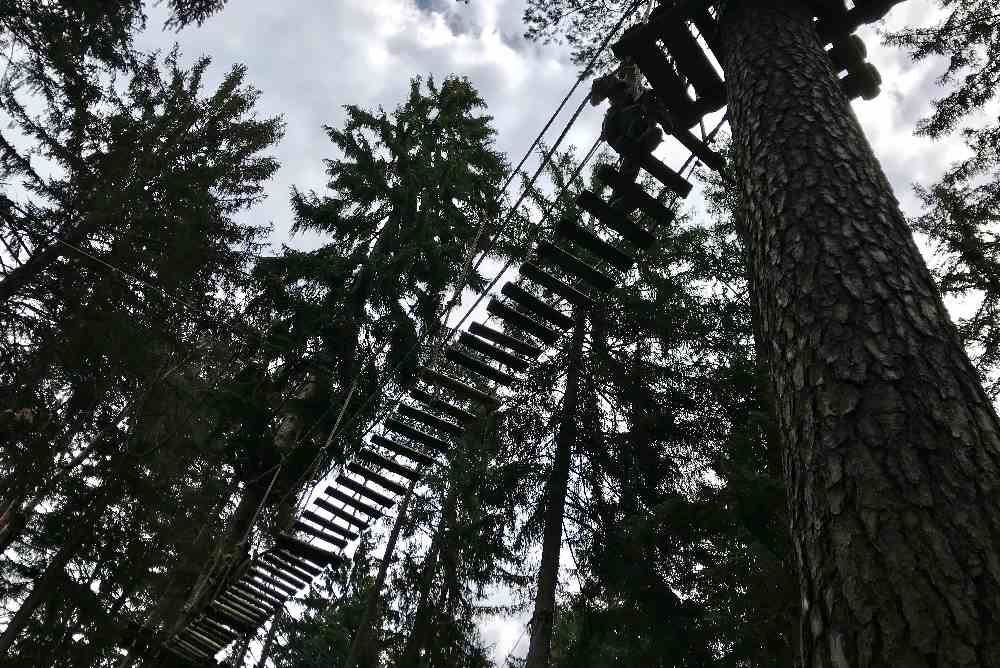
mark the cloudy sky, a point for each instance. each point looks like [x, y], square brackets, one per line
[311, 57]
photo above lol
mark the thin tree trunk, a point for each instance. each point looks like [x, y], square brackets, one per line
[415, 644]
[265, 651]
[891, 447]
[362, 637]
[543, 617]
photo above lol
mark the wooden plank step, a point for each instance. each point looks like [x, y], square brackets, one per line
[463, 390]
[668, 177]
[536, 306]
[289, 557]
[287, 567]
[329, 524]
[262, 575]
[478, 366]
[441, 405]
[402, 450]
[369, 510]
[492, 351]
[252, 616]
[864, 83]
[708, 27]
[639, 44]
[248, 603]
[362, 524]
[848, 53]
[571, 264]
[550, 282]
[638, 197]
[222, 630]
[710, 157]
[254, 593]
[302, 527]
[244, 603]
[571, 231]
[212, 644]
[284, 575]
[363, 490]
[218, 613]
[269, 603]
[430, 420]
[403, 470]
[415, 434]
[522, 322]
[505, 340]
[377, 478]
[208, 625]
[597, 207]
[274, 590]
[692, 61]
[305, 551]
[196, 652]
[219, 640]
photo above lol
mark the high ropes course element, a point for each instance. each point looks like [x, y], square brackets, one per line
[673, 49]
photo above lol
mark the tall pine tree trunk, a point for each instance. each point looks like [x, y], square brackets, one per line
[555, 502]
[419, 634]
[360, 644]
[891, 446]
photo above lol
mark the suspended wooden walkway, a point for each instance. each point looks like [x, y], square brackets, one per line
[674, 50]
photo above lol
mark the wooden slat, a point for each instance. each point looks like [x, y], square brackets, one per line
[367, 509]
[639, 198]
[217, 613]
[289, 557]
[522, 322]
[536, 306]
[363, 490]
[388, 464]
[220, 629]
[414, 434]
[402, 450]
[463, 390]
[362, 524]
[478, 366]
[287, 567]
[245, 604]
[254, 589]
[668, 177]
[597, 207]
[276, 571]
[692, 62]
[193, 652]
[553, 284]
[493, 352]
[207, 636]
[505, 340]
[278, 589]
[213, 645]
[252, 617]
[548, 252]
[441, 405]
[660, 74]
[302, 527]
[377, 478]
[278, 583]
[430, 420]
[303, 550]
[570, 231]
[328, 524]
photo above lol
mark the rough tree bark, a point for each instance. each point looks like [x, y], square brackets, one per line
[891, 446]
[539, 649]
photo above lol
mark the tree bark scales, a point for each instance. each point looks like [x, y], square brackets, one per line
[891, 447]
